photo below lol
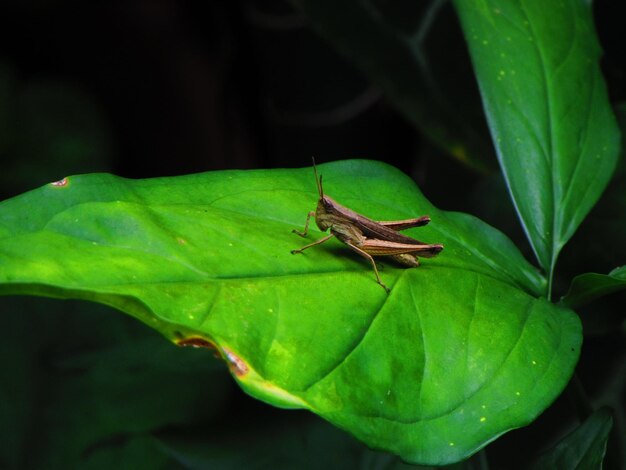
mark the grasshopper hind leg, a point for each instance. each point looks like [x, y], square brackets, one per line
[371, 260]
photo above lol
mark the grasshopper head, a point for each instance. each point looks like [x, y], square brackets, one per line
[323, 217]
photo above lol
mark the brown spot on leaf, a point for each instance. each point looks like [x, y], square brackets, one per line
[197, 342]
[235, 363]
[60, 183]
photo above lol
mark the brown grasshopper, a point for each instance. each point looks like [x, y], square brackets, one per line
[365, 236]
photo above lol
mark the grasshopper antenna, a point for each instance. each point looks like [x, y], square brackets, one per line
[318, 180]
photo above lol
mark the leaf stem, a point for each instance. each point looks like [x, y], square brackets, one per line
[554, 257]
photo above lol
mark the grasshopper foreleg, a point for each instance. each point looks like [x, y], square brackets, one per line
[306, 225]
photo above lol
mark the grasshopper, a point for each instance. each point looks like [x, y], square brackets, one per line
[365, 236]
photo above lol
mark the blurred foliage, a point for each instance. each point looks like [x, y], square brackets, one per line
[47, 126]
[583, 448]
[82, 377]
[429, 87]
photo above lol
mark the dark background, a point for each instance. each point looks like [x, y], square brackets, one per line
[147, 88]
[159, 88]
[144, 88]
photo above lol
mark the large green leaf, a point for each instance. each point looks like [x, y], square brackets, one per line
[460, 351]
[547, 107]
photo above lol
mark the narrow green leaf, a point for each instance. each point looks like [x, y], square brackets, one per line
[555, 134]
[459, 352]
[590, 286]
[584, 448]
[596, 246]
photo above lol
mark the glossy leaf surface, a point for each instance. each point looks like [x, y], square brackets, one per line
[459, 352]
